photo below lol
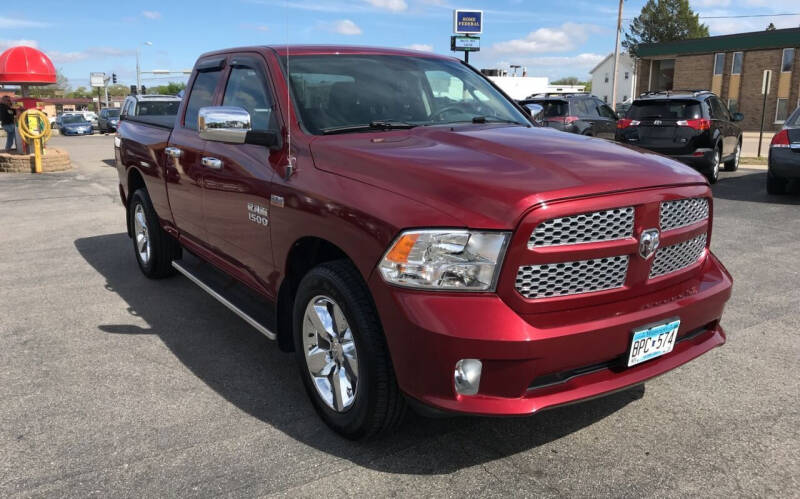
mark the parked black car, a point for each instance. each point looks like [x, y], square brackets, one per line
[108, 120]
[692, 126]
[784, 155]
[576, 113]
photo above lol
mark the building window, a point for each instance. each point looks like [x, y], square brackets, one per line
[606, 77]
[605, 99]
[662, 74]
[719, 61]
[733, 106]
[736, 66]
[626, 75]
[788, 60]
[781, 110]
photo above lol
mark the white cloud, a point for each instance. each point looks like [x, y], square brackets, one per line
[151, 14]
[11, 23]
[422, 47]
[94, 53]
[5, 44]
[566, 37]
[345, 27]
[393, 5]
[710, 3]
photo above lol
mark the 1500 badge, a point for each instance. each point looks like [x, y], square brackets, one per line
[257, 214]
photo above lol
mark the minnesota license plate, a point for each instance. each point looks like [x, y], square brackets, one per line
[653, 341]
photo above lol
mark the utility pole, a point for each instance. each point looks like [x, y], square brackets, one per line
[138, 65]
[616, 59]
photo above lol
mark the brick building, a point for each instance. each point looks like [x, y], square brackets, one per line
[732, 67]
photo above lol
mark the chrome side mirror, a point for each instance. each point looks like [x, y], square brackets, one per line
[536, 111]
[223, 124]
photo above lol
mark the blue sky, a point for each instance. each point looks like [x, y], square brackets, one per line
[550, 38]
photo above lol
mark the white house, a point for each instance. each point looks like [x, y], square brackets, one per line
[602, 78]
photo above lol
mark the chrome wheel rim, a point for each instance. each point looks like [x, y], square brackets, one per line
[141, 234]
[716, 164]
[738, 153]
[330, 353]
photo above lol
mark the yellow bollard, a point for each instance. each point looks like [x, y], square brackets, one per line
[34, 126]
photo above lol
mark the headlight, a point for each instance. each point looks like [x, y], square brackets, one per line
[445, 259]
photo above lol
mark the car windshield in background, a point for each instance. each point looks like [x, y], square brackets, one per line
[553, 108]
[665, 109]
[157, 108]
[113, 113]
[337, 93]
[72, 119]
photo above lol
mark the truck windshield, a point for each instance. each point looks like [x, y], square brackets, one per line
[334, 92]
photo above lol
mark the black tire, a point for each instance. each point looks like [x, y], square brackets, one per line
[713, 170]
[163, 248]
[775, 185]
[379, 406]
[733, 164]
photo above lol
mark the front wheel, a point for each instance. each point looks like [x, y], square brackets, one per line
[733, 164]
[155, 249]
[342, 353]
[713, 171]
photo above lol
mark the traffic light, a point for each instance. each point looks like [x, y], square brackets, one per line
[144, 90]
[114, 78]
[133, 90]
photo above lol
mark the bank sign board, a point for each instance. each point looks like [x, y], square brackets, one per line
[468, 22]
[465, 43]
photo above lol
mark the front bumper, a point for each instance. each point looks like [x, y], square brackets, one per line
[538, 361]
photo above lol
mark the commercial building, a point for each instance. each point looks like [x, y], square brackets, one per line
[731, 66]
[603, 78]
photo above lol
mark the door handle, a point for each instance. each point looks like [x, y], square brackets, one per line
[213, 163]
[173, 152]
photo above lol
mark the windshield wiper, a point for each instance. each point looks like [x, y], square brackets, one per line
[484, 119]
[373, 125]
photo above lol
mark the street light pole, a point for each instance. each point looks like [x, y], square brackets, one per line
[616, 60]
[138, 66]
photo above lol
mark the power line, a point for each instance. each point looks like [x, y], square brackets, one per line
[740, 16]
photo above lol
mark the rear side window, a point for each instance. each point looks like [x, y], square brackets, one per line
[202, 95]
[585, 108]
[552, 108]
[665, 109]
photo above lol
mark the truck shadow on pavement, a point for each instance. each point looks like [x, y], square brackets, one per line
[751, 186]
[249, 371]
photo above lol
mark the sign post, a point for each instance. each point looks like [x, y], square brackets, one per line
[766, 82]
[98, 81]
[467, 23]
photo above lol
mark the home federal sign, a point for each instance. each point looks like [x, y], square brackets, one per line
[468, 22]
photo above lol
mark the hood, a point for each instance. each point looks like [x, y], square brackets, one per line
[489, 175]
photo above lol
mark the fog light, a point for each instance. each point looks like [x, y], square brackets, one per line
[467, 376]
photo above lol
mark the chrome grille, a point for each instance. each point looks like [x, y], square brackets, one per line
[678, 256]
[683, 212]
[571, 278]
[606, 225]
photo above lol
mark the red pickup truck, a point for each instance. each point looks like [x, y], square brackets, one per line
[403, 227]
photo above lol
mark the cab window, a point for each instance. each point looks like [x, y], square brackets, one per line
[202, 95]
[247, 89]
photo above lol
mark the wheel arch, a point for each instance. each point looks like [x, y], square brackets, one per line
[135, 181]
[305, 253]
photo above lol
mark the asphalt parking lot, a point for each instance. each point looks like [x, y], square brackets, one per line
[115, 385]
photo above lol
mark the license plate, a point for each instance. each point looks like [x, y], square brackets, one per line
[653, 341]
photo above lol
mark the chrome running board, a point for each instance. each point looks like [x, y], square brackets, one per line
[227, 293]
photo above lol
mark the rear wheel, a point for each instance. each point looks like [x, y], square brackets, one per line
[775, 185]
[342, 353]
[713, 171]
[733, 164]
[154, 249]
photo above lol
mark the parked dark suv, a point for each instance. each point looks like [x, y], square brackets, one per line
[692, 126]
[576, 113]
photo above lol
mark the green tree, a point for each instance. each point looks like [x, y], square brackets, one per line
[663, 21]
[569, 80]
[118, 90]
[170, 88]
[81, 93]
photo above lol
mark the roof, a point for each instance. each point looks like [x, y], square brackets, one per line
[329, 50]
[778, 38]
[25, 66]
[155, 97]
[621, 56]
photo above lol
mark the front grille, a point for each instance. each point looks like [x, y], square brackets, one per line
[683, 212]
[678, 256]
[606, 225]
[571, 278]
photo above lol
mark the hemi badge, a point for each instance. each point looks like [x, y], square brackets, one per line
[276, 201]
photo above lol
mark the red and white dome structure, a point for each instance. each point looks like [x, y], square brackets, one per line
[26, 66]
